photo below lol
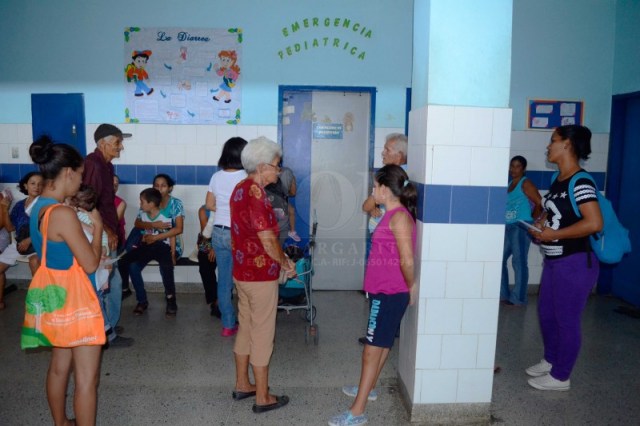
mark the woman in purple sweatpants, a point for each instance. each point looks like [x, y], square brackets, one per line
[570, 267]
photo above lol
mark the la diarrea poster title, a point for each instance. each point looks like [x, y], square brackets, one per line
[183, 76]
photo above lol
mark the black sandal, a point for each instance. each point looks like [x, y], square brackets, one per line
[281, 401]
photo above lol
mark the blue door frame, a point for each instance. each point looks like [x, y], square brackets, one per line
[300, 163]
[622, 279]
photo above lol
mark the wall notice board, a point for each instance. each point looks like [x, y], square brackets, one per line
[548, 114]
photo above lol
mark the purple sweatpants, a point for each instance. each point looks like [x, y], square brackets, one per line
[565, 286]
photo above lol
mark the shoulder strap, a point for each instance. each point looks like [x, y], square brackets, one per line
[44, 229]
[572, 184]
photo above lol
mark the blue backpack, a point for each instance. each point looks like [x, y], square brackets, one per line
[613, 242]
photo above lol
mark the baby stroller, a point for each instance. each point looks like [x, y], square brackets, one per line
[297, 293]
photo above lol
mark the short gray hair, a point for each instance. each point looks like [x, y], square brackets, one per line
[259, 151]
[401, 144]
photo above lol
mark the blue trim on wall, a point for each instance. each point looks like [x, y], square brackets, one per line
[436, 203]
[461, 204]
[129, 174]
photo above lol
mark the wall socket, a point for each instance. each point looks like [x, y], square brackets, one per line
[15, 152]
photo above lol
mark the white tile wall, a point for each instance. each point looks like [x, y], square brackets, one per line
[487, 166]
[443, 316]
[475, 385]
[451, 165]
[472, 126]
[501, 132]
[433, 276]
[445, 242]
[438, 386]
[428, 351]
[485, 242]
[459, 351]
[464, 279]
[486, 351]
[480, 316]
[440, 129]
[491, 279]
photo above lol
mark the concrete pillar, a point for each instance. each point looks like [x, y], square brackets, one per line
[459, 139]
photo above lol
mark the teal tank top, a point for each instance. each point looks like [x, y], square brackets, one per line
[518, 207]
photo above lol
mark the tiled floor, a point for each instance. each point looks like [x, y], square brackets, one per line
[180, 372]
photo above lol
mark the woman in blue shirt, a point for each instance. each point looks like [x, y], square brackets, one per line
[521, 198]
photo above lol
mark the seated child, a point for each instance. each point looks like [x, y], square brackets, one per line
[153, 246]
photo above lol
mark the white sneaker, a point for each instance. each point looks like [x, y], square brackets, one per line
[547, 382]
[352, 391]
[540, 369]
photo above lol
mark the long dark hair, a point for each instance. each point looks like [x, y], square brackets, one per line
[396, 179]
[230, 157]
[51, 157]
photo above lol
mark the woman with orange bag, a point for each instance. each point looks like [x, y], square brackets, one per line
[61, 167]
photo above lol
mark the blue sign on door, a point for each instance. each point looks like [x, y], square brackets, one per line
[327, 130]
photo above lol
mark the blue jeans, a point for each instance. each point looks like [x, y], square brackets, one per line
[132, 264]
[221, 243]
[113, 298]
[516, 244]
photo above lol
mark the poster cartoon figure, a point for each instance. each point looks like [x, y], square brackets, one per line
[136, 72]
[229, 71]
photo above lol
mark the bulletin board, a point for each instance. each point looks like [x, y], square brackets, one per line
[182, 75]
[547, 114]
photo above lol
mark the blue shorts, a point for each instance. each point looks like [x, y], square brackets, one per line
[385, 315]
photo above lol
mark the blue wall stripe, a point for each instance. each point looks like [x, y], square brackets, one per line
[436, 203]
[131, 174]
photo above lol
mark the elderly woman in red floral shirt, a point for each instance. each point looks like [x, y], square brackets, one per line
[257, 260]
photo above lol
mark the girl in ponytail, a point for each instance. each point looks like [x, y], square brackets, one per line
[389, 280]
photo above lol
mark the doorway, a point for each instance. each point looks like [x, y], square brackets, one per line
[622, 189]
[61, 116]
[327, 139]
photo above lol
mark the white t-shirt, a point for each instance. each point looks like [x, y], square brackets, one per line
[221, 186]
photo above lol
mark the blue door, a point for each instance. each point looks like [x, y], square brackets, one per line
[60, 116]
[623, 175]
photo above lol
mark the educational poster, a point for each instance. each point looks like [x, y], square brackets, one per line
[549, 114]
[183, 75]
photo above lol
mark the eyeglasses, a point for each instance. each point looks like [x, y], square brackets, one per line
[277, 168]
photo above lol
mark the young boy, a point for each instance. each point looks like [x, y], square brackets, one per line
[153, 247]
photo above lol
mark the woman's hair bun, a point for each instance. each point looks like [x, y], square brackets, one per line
[40, 150]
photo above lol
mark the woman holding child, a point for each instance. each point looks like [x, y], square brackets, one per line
[61, 167]
[160, 220]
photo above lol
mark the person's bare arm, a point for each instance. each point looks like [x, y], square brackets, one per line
[120, 209]
[533, 195]
[271, 245]
[402, 227]
[210, 201]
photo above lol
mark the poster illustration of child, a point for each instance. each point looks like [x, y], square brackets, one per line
[229, 71]
[136, 72]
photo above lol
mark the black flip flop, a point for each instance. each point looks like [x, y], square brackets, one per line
[239, 395]
[281, 401]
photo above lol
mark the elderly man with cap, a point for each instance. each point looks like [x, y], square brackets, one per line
[98, 173]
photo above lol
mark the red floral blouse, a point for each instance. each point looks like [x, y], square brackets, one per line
[251, 212]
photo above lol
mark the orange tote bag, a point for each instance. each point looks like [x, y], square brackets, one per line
[61, 308]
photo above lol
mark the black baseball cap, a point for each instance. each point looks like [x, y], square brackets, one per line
[105, 130]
